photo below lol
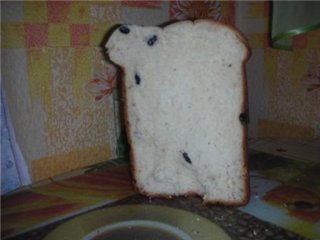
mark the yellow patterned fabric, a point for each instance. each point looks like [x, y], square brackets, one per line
[50, 52]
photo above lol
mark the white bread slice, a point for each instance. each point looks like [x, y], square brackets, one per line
[185, 98]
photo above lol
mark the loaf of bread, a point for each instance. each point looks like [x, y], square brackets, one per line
[185, 102]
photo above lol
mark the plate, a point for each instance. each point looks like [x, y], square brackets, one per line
[139, 222]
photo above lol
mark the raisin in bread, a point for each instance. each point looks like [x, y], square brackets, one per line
[185, 97]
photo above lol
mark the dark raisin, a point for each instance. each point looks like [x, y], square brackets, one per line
[186, 157]
[244, 118]
[230, 65]
[152, 40]
[124, 29]
[137, 78]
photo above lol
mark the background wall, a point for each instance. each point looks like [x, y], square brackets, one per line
[284, 86]
[59, 87]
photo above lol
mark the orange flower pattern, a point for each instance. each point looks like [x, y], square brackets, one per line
[299, 202]
[182, 10]
[102, 84]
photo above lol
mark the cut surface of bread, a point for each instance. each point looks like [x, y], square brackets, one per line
[185, 97]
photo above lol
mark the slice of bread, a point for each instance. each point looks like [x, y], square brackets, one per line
[185, 100]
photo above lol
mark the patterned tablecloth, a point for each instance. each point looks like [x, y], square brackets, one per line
[284, 192]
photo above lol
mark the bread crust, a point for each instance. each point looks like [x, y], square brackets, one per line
[193, 194]
[127, 129]
[244, 169]
[245, 126]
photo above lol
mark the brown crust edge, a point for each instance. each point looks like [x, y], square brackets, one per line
[124, 101]
[133, 168]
